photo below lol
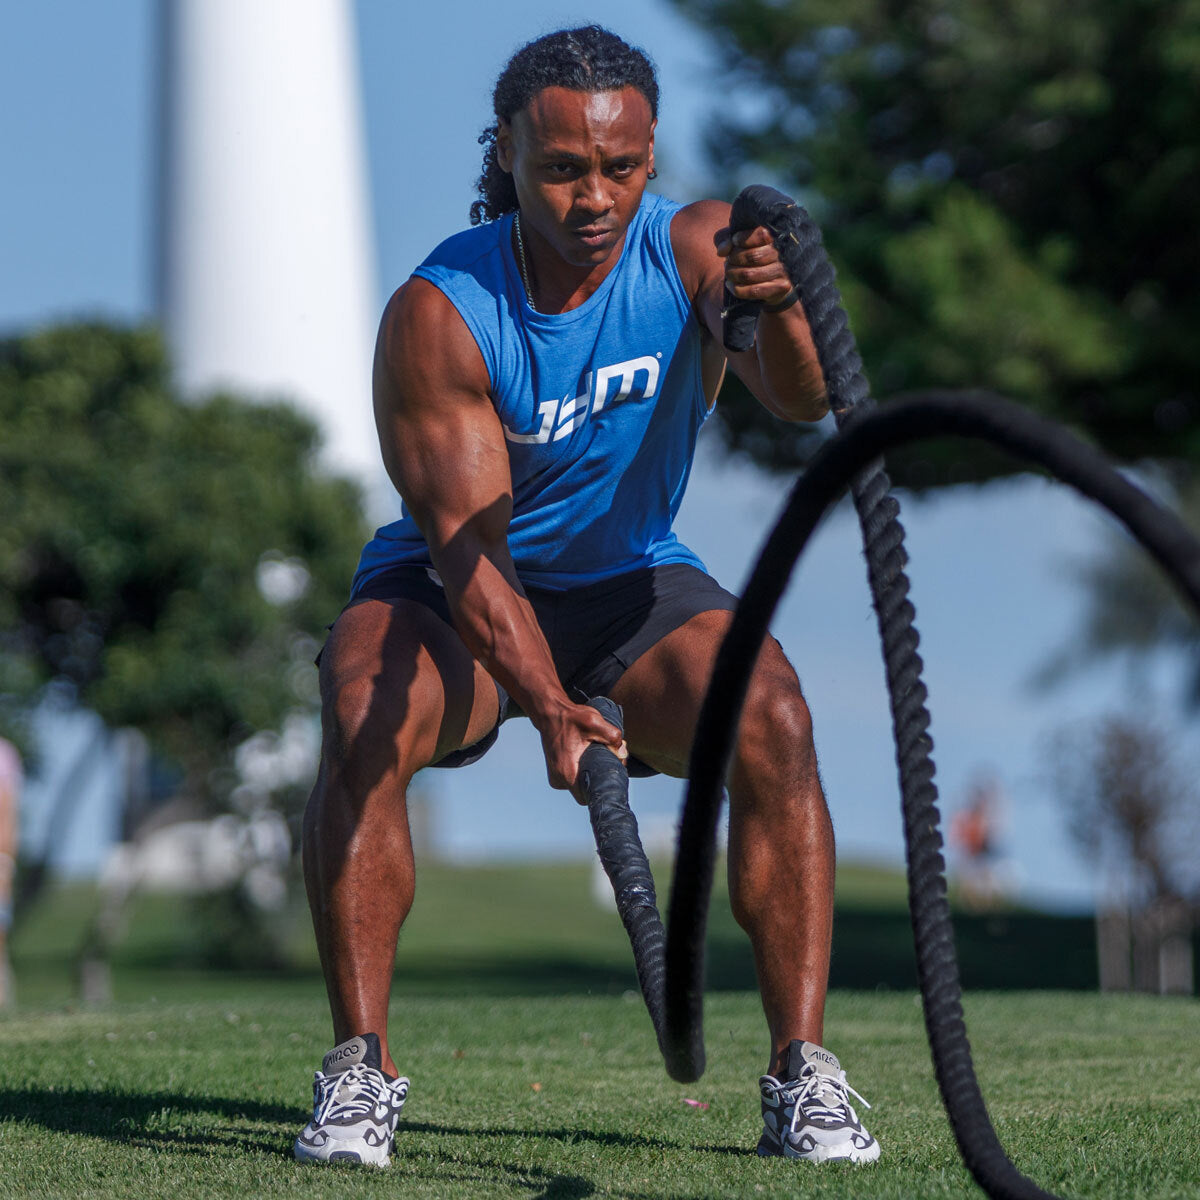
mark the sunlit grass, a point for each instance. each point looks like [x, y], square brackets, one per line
[566, 1096]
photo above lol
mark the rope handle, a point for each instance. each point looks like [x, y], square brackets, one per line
[605, 784]
[754, 206]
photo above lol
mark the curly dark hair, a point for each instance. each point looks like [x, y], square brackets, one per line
[588, 59]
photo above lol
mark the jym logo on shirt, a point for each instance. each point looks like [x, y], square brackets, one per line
[560, 418]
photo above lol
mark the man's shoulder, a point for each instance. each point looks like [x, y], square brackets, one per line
[699, 221]
[693, 229]
[465, 250]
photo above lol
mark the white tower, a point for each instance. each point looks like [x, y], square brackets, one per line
[265, 274]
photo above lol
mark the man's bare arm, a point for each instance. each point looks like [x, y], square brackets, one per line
[781, 368]
[444, 449]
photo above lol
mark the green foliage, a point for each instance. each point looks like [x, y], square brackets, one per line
[1008, 191]
[138, 531]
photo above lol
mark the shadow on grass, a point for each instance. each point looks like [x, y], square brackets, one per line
[143, 1118]
[542, 1185]
[138, 1119]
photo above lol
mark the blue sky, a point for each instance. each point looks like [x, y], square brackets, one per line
[991, 567]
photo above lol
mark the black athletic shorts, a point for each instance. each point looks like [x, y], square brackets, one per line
[595, 632]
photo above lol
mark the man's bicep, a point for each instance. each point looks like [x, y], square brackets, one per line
[442, 441]
[451, 473]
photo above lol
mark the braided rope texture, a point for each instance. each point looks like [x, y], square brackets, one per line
[862, 440]
[798, 240]
[853, 459]
[606, 784]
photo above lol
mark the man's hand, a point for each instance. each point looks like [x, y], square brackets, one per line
[566, 734]
[753, 270]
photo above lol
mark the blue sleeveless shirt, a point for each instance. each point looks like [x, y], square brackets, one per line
[600, 406]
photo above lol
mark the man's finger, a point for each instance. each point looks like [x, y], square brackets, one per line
[758, 236]
[752, 256]
[605, 732]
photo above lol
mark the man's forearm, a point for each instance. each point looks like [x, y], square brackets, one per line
[787, 359]
[498, 626]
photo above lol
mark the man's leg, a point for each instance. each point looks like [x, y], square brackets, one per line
[781, 866]
[781, 852]
[399, 691]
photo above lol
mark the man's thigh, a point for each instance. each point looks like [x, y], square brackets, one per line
[661, 693]
[399, 688]
[598, 632]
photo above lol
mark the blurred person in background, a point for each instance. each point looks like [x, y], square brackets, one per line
[11, 777]
[539, 386]
[975, 837]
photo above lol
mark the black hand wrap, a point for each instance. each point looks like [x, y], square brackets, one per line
[603, 778]
[754, 206]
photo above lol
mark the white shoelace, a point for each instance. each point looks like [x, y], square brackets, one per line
[354, 1092]
[815, 1087]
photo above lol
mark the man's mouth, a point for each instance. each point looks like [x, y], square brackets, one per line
[593, 235]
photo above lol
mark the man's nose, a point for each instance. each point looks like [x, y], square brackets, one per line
[592, 195]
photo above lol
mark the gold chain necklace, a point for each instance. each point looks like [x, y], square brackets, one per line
[521, 261]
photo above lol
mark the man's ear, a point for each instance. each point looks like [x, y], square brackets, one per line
[650, 165]
[504, 145]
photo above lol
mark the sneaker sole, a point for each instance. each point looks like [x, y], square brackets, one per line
[823, 1154]
[368, 1156]
[768, 1147]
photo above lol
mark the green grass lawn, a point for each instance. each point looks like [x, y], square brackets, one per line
[565, 1097]
[534, 1068]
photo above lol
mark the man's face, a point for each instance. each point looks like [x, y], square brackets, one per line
[579, 161]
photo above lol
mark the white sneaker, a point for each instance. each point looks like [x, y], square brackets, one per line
[355, 1107]
[809, 1114]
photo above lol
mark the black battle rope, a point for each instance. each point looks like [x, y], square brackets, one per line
[865, 437]
[605, 782]
[798, 241]
[852, 458]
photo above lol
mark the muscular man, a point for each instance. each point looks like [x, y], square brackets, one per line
[539, 385]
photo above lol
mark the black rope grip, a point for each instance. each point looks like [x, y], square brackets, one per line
[756, 205]
[605, 783]
[798, 241]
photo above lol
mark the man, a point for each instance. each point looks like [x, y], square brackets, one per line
[539, 384]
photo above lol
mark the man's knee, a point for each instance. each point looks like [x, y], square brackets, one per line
[775, 736]
[346, 712]
[365, 731]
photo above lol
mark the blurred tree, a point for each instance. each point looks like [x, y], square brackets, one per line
[1009, 193]
[1131, 809]
[1130, 804]
[1133, 612]
[172, 564]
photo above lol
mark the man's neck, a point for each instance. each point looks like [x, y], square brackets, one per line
[553, 285]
